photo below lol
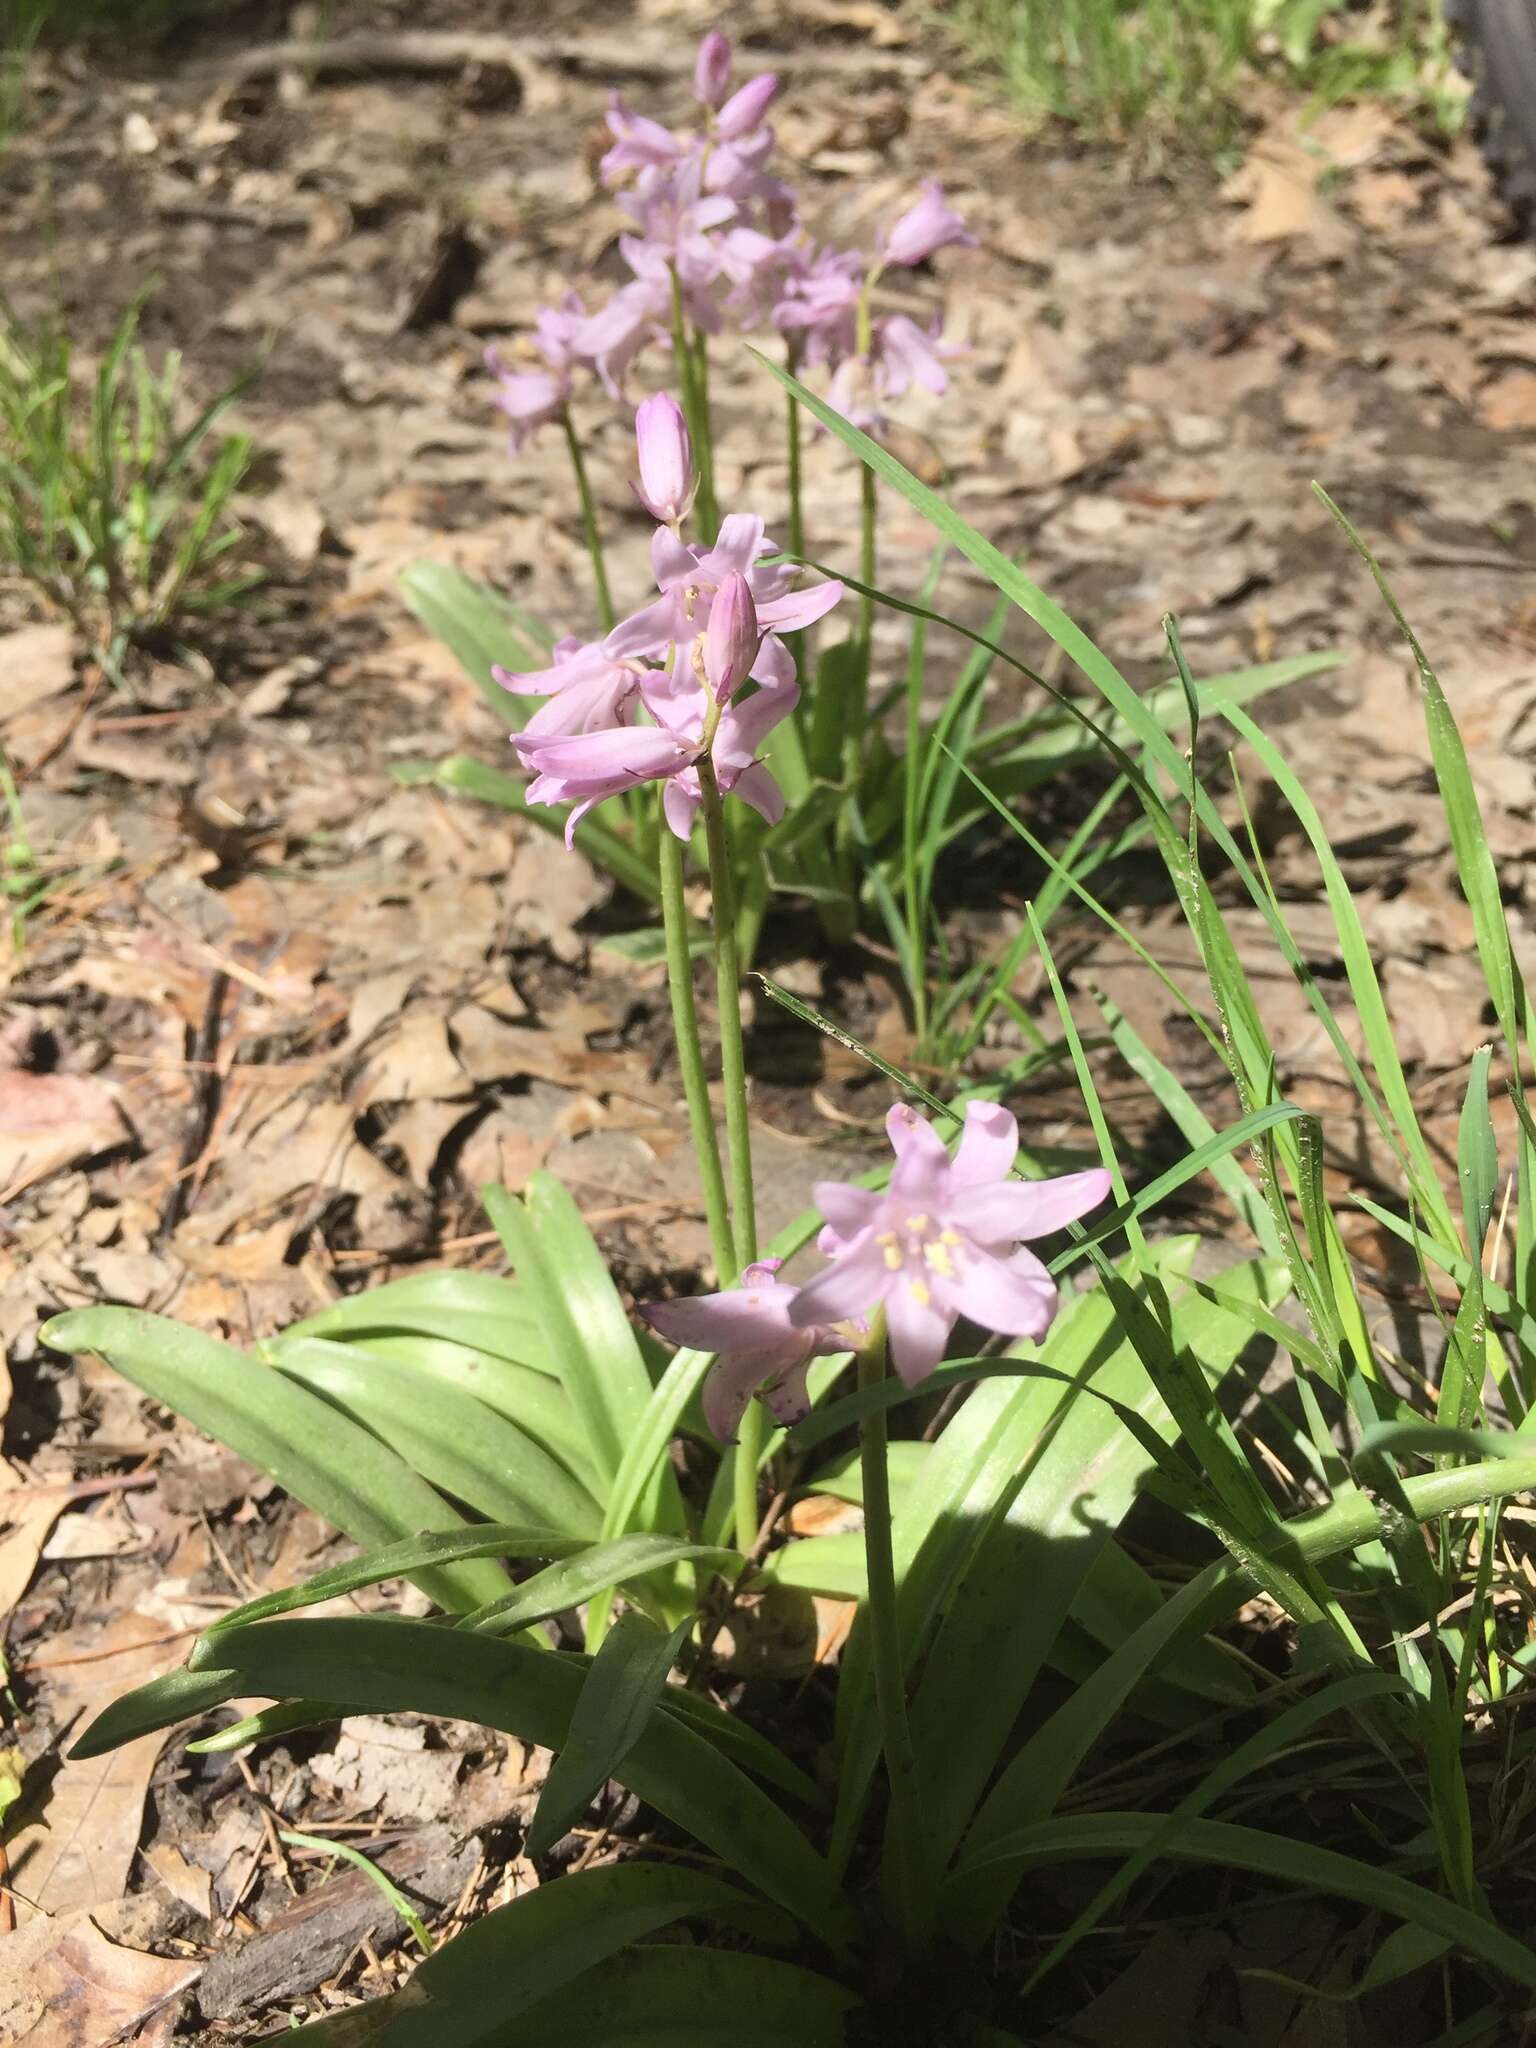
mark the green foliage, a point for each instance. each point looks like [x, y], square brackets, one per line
[1173, 72]
[116, 508]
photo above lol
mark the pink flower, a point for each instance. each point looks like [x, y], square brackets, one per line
[712, 69]
[901, 354]
[637, 313]
[532, 398]
[586, 688]
[925, 227]
[582, 766]
[667, 481]
[638, 143]
[744, 110]
[821, 304]
[943, 1241]
[759, 1350]
[733, 639]
[689, 577]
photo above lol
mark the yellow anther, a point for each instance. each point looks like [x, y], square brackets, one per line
[893, 1258]
[885, 1237]
[939, 1259]
[949, 1237]
[918, 1223]
[919, 1293]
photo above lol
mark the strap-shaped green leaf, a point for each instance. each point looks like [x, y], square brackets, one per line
[619, 1695]
[479, 626]
[1268, 1855]
[593, 1570]
[471, 1990]
[313, 1451]
[451, 1438]
[386, 1666]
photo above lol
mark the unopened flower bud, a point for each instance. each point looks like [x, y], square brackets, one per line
[667, 481]
[744, 110]
[712, 69]
[732, 639]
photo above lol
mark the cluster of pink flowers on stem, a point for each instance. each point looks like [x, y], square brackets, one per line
[714, 230]
[945, 1240]
[665, 691]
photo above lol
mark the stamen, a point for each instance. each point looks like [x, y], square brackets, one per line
[919, 1293]
[939, 1259]
[919, 1223]
[893, 1259]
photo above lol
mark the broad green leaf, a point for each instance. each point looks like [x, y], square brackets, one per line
[677, 1997]
[316, 1453]
[619, 1696]
[431, 1549]
[482, 629]
[386, 1666]
[483, 1311]
[591, 1571]
[474, 1986]
[463, 1447]
[1268, 1855]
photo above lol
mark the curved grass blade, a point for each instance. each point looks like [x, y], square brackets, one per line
[674, 1997]
[463, 1447]
[525, 1952]
[370, 1665]
[619, 1695]
[1267, 1855]
[316, 1453]
[370, 1870]
[593, 1570]
[398, 1561]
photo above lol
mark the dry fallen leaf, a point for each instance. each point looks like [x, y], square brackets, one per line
[35, 664]
[79, 1849]
[63, 1984]
[1509, 403]
[51, 1120]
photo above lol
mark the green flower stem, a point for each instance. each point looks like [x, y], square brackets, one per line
[690, 354]
[690, 1052]
[605, 611]
[738, 1136]
[853, 734]
[792, 439]
[911, 1894]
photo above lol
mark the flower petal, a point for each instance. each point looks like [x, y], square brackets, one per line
[648, 631]
[848, 1209]
[799, 608]
[737, 1319]
[919, 1330]
[730, 1384]
[756, 786]
[788, 1398]
[921, 1159]
[851, 1285]
[988, 1147]
[1003, 1297]
[738, 545]
[1020, 1209]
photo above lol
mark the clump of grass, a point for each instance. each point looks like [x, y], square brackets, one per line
[114, 510]
[1172, 72]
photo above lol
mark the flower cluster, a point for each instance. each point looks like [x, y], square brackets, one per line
[944, 1240]
[714, 233]
[664, 692]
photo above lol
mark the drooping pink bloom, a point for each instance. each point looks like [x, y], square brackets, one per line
[760, 268]
[667, 479]
[745, 108]
[820, 303]
[712, 69]
[612, 338]
[639, 143]
[584, 767]
[688, 578]
[532, 398]
[925, 227]
[759, 1350]
[900, 355]
[733, 639]
[943, 1241]
[586, 688]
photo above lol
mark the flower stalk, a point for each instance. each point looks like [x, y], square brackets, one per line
[605, 611]
[909, 1894]
[690, 1052]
